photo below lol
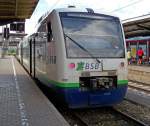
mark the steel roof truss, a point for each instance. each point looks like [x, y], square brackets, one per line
[145, 27]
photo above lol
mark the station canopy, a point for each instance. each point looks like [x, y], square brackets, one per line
[16, 10]
[139, 26]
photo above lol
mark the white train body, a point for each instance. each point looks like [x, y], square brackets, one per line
[81, 55]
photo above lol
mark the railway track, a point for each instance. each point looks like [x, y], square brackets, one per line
[101, 117]
[139, 86]
[97, 117]
[138, 122]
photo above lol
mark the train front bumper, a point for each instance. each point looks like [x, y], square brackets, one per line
[76, 98]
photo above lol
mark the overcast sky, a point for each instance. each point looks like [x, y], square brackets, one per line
[123, 8]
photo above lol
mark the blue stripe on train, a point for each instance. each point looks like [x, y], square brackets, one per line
[75, 98]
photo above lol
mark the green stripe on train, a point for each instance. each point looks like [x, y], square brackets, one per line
[64, 85]
[122, 82]
[75, 85]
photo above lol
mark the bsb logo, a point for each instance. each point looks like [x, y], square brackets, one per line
[84, 66]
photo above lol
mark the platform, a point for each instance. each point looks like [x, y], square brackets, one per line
[139, 73]
[21, 101]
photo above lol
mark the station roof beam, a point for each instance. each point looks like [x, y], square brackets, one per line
[16, 10]
[137, 27]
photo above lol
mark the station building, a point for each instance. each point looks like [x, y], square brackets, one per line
[137, 34]
[136, 43]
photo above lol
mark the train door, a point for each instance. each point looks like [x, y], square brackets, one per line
[32, 47]
[21, 53]
[30, 43]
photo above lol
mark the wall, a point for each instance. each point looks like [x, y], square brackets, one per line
[139, 73]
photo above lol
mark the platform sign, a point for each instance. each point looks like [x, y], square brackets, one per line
[19, 27]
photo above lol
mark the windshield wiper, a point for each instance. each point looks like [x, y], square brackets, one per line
[81, 47]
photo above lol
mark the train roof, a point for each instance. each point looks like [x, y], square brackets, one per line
[57, 10]
[82, 10]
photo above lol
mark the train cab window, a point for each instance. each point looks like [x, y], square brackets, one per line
[42, 28]
[49, 34]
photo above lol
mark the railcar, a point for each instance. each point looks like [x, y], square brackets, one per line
[80, 54]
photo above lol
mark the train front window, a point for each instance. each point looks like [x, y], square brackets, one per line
[99, 34]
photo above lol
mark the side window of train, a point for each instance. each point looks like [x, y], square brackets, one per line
[49, 34]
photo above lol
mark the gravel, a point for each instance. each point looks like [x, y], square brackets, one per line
[135, 110]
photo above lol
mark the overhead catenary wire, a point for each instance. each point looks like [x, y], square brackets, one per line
[54, 5]
[148, 14]
[45, 14]
[131, 4]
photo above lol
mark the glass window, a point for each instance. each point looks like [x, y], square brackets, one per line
[50, 35]
[100, 35]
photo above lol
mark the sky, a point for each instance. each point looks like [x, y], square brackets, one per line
[122, 8]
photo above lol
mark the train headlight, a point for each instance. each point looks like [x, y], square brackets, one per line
[122, 64]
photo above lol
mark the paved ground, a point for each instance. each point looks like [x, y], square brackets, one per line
[21, 101]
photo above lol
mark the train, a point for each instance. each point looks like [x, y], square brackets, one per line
[80, 54]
